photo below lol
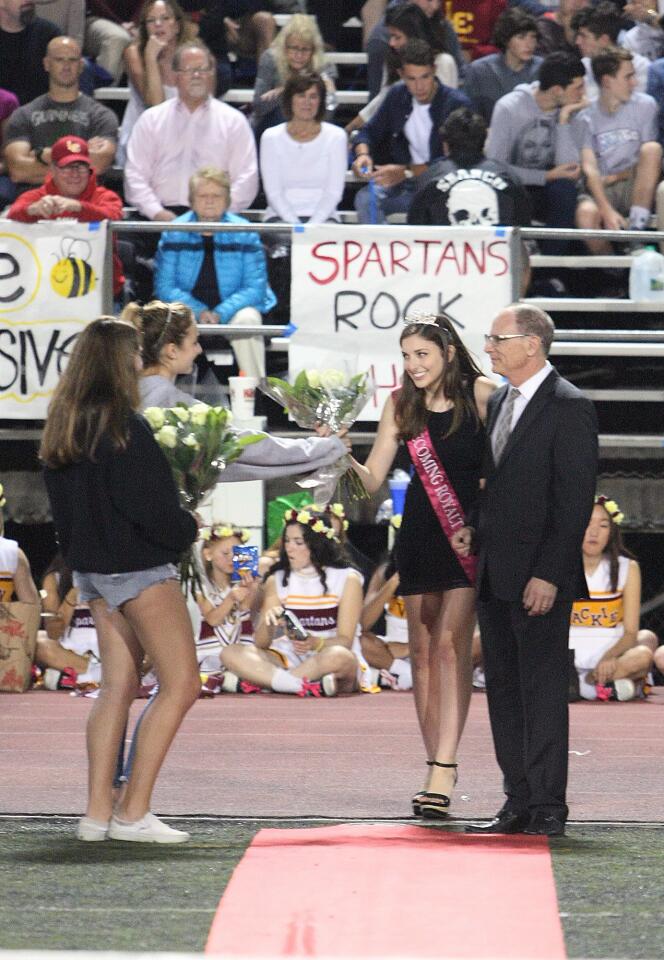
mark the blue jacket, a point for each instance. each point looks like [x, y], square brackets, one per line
[384, 132]
[239, 262]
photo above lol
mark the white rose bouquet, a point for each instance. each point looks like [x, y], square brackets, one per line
[198, 442]
[334, 399]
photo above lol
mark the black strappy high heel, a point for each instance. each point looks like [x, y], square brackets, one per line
[419, 797]
[435, 806]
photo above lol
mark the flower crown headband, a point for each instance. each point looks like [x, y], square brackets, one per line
[307, 519]
[611, 508]
[336, 509]
[223, 530]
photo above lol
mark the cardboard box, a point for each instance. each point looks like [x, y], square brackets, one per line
[19, 623]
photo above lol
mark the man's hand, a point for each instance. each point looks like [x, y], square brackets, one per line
[272, 94]
[539, 596]
[389, 174]
[363, 166]
[612, 220]
[568, 111]
[564, 171]
[66, 205]
[44, 208]
[164, 216]
[462, 541]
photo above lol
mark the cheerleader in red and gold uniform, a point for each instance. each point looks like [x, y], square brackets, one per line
[611, 655]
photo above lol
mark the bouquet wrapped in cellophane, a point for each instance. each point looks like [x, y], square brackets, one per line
[334, 399]
[198, 442]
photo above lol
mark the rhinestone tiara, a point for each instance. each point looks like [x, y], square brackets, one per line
[429, 319]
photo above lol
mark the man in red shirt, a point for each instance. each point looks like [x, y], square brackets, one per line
[71, 191]
[473, 21]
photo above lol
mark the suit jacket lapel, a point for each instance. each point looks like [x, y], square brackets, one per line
[530, 414]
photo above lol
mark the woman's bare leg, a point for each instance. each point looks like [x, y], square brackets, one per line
[440, 629]
[249, 663]
[161, 623]
[121, 657]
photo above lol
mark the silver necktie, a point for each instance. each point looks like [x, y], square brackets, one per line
[503, 426]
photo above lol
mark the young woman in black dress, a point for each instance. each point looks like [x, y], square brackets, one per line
[438, 411]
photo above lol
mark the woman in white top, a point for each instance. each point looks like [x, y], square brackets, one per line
[311, 655]
[611, 654]
[303, 161]
[162, 27]
[298, 48]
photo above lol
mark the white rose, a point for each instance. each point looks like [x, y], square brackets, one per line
[313, 378]
[198, 413]
[190, 440]
[332, 379]
[181, 413]
[155, 417]
[167, 437]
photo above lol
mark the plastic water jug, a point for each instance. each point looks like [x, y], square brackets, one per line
[646, 276]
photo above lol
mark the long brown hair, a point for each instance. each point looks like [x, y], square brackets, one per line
[185, 29]
[615, 548]
[459, 373]
[95, 395]
[160, 324]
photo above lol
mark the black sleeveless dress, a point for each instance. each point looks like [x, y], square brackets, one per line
[424, 558]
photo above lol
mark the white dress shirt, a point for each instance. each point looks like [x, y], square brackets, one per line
[169, 143]
[527, 391]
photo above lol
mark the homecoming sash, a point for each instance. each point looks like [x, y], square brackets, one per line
[441, 494]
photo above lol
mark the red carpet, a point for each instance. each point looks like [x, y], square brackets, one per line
[390, 890]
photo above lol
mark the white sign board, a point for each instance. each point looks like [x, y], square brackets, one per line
[51, 281]
[353, 285]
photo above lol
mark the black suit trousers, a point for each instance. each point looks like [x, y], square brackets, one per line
[525, 662]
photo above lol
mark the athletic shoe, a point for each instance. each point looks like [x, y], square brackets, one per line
[91, 830]
[329, 685]
[149, 829]
[230, 682]
[616, 690]
[479, 680]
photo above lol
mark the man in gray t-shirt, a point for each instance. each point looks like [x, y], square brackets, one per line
[63, 111]
[620, 155]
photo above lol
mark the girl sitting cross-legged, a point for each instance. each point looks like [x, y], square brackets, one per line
[310, 654]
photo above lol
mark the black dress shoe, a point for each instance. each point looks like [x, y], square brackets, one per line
[507, 821]
[545, 825]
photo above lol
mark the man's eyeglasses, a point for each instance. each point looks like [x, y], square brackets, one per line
[192, 71]
[495, 339]
[151, 21]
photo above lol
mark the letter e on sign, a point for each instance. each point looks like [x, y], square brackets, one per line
[20, 273]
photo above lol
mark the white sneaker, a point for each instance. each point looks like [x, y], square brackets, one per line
[328, 685]
[149, 829]
[625, 689]
[479, 680]
[230, 682]
[91, 830]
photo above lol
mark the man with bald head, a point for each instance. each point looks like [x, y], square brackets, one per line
[541, 468]
[63, 111]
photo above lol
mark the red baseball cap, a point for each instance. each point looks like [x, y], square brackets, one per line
[68, 150]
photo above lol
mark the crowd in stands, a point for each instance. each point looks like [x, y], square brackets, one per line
[572, 99]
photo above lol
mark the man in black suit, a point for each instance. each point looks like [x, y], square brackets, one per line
[540, 483]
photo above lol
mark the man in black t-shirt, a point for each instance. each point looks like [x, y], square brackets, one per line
[23, 41]
[465, 189]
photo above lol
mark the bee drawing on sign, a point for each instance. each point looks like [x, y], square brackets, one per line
[72, 275]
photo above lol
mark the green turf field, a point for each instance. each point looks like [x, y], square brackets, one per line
[57, 893]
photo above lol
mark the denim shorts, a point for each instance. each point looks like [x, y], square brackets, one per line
[118, 588]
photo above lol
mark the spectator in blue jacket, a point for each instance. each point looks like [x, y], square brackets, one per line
[403, 136]
[221, 276]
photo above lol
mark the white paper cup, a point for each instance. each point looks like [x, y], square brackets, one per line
[243, 395]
